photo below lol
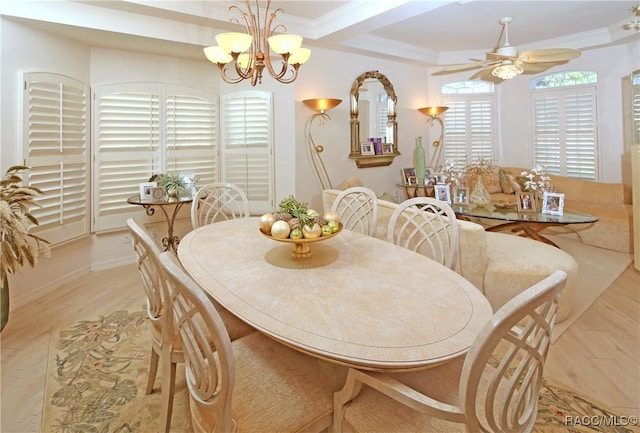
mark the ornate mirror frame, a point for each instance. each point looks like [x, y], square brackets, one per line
[363, 161]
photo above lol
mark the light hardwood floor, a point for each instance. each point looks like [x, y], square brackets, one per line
[598, 355]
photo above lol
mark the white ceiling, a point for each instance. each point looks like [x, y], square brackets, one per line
[425, 32]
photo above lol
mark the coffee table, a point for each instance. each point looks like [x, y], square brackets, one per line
[528, 224]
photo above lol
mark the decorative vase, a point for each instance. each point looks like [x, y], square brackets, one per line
[480, 197]
[4, 303]
[418, 160]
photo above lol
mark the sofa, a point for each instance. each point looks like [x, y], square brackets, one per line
[499, 265]
[610, 202]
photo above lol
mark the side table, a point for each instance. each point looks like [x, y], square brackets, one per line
[170, 241]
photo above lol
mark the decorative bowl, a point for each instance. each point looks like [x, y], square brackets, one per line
[302, 247]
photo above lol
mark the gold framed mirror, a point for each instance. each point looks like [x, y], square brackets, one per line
[373, 115]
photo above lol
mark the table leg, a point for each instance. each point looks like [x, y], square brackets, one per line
[531, 230]
[170, 241]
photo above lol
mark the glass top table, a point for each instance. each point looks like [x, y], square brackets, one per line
[523, 223]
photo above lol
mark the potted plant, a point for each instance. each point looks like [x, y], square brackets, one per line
[18, 246]
[173, 182]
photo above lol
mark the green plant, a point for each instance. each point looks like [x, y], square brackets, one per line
[172, 181]
[17, 246]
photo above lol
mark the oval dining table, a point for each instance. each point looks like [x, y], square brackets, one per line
[357, 301]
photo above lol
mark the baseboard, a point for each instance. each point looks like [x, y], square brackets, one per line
[18, 300]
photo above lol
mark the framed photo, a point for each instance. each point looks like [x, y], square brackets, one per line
[409, 176]
[443, 193]
[158, 194]
[526, 201]
[553, 203]
[429, 177]
[367, 148]
[440, 178]
[461, 196]
[145, 189]
[387, 148]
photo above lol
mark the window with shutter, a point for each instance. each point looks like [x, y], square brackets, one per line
[635, 108]
[247, 146]
[565, 128]
[56, 131]
[143, 129]
[469, 123]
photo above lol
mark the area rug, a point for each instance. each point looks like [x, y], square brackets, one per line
[598, 268]
[97, 373]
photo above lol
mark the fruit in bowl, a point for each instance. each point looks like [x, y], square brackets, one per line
[294, 220]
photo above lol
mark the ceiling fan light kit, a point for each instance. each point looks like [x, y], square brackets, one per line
[505, 62]
[635, 24]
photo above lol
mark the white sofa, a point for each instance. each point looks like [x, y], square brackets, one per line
[500, 265]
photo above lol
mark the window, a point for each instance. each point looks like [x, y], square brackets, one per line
[564, 119]
[142, 129]
[469, 123]
[56, 113]
[247, 146]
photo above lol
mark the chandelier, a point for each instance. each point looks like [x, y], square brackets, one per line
[635, 24]
[248, 54]
[507, 70]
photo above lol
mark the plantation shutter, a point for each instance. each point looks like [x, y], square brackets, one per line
[191, 134]
[635, 109]
[246, 146]
[143, 129]
[127, 149]
[469, 128]
[57, 140]
[565, 131]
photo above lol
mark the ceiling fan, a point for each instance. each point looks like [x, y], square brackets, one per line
[506, 62]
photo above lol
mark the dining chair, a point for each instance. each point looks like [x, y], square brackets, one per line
[493, 389]
[253, 384]
[165, 349]
[358, 209]
[427, 226]
[218, 201]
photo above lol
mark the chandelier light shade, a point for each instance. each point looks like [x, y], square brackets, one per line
[320, 106]
[507, 71]
[433, 113]
[244, 56]
[635, 24]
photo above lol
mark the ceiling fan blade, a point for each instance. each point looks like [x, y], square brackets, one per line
[460, 67]
[534, 68]
[548, 55]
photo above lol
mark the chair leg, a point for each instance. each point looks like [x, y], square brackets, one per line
[168, 388]
[153, 370]
[351, 389]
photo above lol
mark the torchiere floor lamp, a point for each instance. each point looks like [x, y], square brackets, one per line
[434, 112]
[320, 106]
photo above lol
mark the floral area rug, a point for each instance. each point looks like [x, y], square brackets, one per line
[97, 374]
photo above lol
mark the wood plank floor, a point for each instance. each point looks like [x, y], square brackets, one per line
[598, 355]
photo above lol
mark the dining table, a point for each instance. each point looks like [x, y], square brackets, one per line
[353, 300]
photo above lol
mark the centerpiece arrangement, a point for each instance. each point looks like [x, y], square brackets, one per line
[296, 223]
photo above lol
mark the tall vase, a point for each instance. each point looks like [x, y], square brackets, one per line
[418, 160]
[4, 303]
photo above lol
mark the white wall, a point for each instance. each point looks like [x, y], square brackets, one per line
[327, 74]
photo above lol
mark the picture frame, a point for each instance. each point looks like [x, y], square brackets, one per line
[158, 194]
[144, 189]
[553, 203]
[429, 177]
[443, 192]
[440, 178]
[461, 196]
[366, 148]
[387, 148]
[409, 176]
[525, 201]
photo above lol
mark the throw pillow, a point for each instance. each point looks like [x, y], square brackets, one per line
[516, 183]
[352, 181]
[491, 180]
[505, 183]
